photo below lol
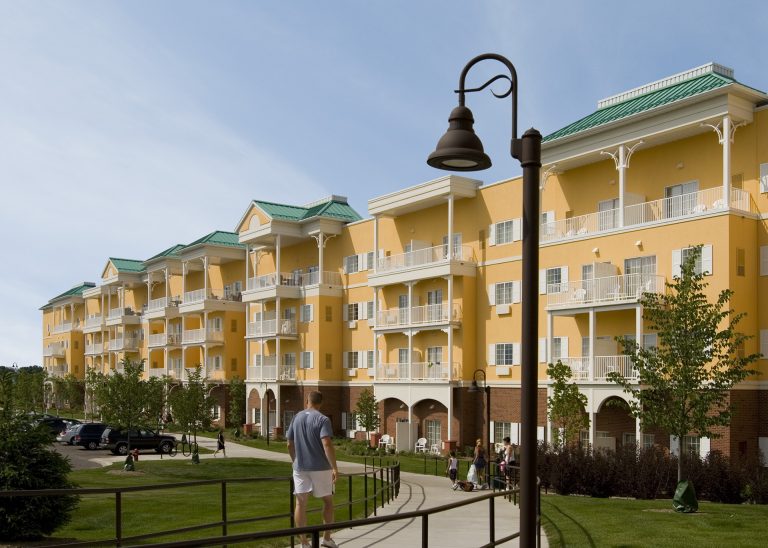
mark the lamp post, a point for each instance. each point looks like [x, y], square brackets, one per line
[461, 150]
[487, 390]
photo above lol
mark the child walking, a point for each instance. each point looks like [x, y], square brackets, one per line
[453, 468]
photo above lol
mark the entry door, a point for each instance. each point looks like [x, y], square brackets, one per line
[608, 214]
[402, 304]
[681, 199]
[434, 305]
[402, 360]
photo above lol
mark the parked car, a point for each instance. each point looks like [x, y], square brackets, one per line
[89, 435]
[68, 435]
[140, 438]
[54, 424]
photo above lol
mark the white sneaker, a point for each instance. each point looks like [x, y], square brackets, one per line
[329, 543]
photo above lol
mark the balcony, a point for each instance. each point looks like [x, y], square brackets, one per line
[694, 204]
[162, 307]
[416, 372]
[270, 371]
[164, 339]
[586, 369]
[55, 350]
[271, 327]
[421, 316]
[94, 348]
[287, 285]
[125, 344]
[59, 370]
[420, 264]
[201, 336]
[156, 372]
[94, 322]
[611, 290]
[65, 327]
[180, 373]
[123, 316]
[211, 299]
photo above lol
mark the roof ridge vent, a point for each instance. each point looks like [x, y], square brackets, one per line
[331, 198]
[709, 68]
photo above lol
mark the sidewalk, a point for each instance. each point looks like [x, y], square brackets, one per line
[463, 527]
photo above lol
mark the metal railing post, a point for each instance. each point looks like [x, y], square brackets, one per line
[224, 508]
[492, 519]
[292, 507]
[365, 492]
[374, 492]
[383, 490]
[118, 519]
[349, 497]
[425, 531]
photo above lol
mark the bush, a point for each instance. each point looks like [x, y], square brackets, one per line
[28, 462]
[652, 473]
[723, 479]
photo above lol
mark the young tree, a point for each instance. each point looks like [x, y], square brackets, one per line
[72, 391]
[367, 411]
[191, 404]
[94, 381]
[29, 389]
[237, 402]
[566, 405]
[683, 382]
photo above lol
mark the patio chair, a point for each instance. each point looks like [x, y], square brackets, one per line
[435, 447]
[386, 442]
[421, 445]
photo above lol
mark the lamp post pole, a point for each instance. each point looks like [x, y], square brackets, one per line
[487, 392]
[461, 150]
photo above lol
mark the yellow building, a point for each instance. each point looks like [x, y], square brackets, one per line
[416, 298]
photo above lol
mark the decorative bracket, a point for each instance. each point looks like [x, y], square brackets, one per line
[321, 238]
[617, 159]
[718, 129]
[546, 174]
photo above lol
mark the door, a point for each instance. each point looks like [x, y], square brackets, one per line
[402, 363]
[638, 275]
[680, 199]
[434, 305]
[608, 214]
[402, 304]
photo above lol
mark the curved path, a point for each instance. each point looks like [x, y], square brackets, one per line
[463, 527]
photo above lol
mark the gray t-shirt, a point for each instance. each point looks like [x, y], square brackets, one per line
[306, 432]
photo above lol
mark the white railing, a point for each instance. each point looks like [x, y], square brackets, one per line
[192, 336]
[420, 315]
[417, 371]
[158, 339]
[63, 327]
[271, 280]
[271, 328]
[601, 366]
[271, 371]
[423, 257]
[54, 349]
[664, 209]
[95, 348]
[328, 278]
[201, 295]
[124, 343]
[156, 371]
[157, 304]
[96, 320]
[57, 370]
[611, 289]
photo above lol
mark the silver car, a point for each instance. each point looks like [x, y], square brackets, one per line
[68, 434]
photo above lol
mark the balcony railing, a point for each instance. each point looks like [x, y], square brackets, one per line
[59, 370]
[156, 371]
[194, 336]
[328, 278]
[124, 343]
[271, 328]
[95, 348]
[417, 371]
[54, 349]
[608, 290]
[271, 371]
[664, 209]
[117, 313]
[201, 295]
[420, 315]
[424, 257]
[163, 339]
[64, 327]
[96, 320]
[268, 281]
[601, 366]
[159, 304]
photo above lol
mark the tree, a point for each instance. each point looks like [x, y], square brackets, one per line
[367, 411]
[683, 382]
[93, 384]
[191, 404]
[123, 398]
[28, 462]
[29, 392]
[72, 391]
[237, 402]
[566, 405]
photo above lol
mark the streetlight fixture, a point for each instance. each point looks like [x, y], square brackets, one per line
[487, 390]
[461, 150]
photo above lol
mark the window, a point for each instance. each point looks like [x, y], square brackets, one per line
[501, 430]
[691, 445]
[305, 313]
[763, 177]
[456, 251]
[505, 354]
[740, 262]
[648, 441]
[608, 214]
[306, 360]
[233, 326]
[554, 277]
[627, 438]
[584, 438]
[504, 293]
[680, 199]
[370, 359]
[369, 310]
[288, 418]
[289, 314]
[353, 360]
[352, 312]
[215, 324]
[434, 355]
[289, 359]
[560, 348]
[329, 361]
[432, 431]
[369, 260]
[215, 412]
[702, 265]
[351, 264]
[328, 313]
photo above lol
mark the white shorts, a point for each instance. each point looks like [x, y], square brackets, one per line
[317, 482]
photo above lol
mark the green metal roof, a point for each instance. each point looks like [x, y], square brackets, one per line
[644, 102]
[334, 209]
[219, 237]
[76, 291]
[127, 265]
[170, 252]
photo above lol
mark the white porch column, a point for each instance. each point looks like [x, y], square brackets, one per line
[149, 288]
[622, 176]
[277, 257]
[122, 298]
[639, 324]
[450, 414]
[320, 246]
[410, 353]
[247, 263]
[278, 356]
[410, 301]
[278, 418]
[592, 330]
[166, 277]
[205, 277]
[592, 428]
[183, 281]
[638, 433]
[450, 334]
[550, 326]
[375, 243]
[450, 225]
[726, 141]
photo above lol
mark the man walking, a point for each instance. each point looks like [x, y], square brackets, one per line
[314, 463]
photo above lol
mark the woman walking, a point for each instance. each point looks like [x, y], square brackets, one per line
[480, 462]
[220, 443]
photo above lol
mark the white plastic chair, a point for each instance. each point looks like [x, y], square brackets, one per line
[435, 447]
[421, 445]
[385, 441]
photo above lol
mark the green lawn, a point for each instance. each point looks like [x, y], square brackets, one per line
[153, 511]
[584, 521]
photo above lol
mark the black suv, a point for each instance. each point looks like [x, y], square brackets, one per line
[141, 438]
[89, 435]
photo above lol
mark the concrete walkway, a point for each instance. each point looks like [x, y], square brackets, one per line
[463, 527]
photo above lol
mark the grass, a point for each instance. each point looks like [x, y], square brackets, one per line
[153, 511]
[584, 521]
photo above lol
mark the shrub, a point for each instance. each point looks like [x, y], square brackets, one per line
[723, 479]
[600, 478]
[653, 473]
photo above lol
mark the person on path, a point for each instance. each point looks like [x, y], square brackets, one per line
[480, 462]
[453, 468]
[220, 443]
[314, 464]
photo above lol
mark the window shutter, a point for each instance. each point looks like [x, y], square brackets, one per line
[343, 420]
[515, 353]
[516, 287]
[764, 343]
[542, 350]
[363, 261]
[344, 266]
[543, 281]
[493, 432]
[517, 229]
[704, 447]
[345, 360]
[361, 359]
[492, 294]
[540, 433]
[763, 177]
[370, 313]
[674, 446]
[563, 347]
[311, 313]
[676, 260]
[345, 312]
[706, 259]
[491, 354]
[311, 363]
[492, 234]
[563, 278]
[362, 311]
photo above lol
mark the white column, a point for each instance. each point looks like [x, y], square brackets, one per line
[247, 263]
[622, 174]
[639, 324]
[278, 356]
[592, 428]
[320, 246]
[550, 328]
[592, 330]
[183, 280]
[149, 288]
[277, 257]
[638, 433]
[375, 243]
[450, 333]
[410, 353]
[450, 225]
[166, 277]
[410, 301]
[726, 161]
[278, 419]
[450, 413]
[205, 277]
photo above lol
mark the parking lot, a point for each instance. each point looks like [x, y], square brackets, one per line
[79, 456]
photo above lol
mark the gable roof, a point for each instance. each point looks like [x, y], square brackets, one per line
[218, 237]
[650, 96]
[334, 207]
[76, 291]
[127, 265]
[172, 251]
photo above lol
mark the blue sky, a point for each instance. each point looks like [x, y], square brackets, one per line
[126, 127]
